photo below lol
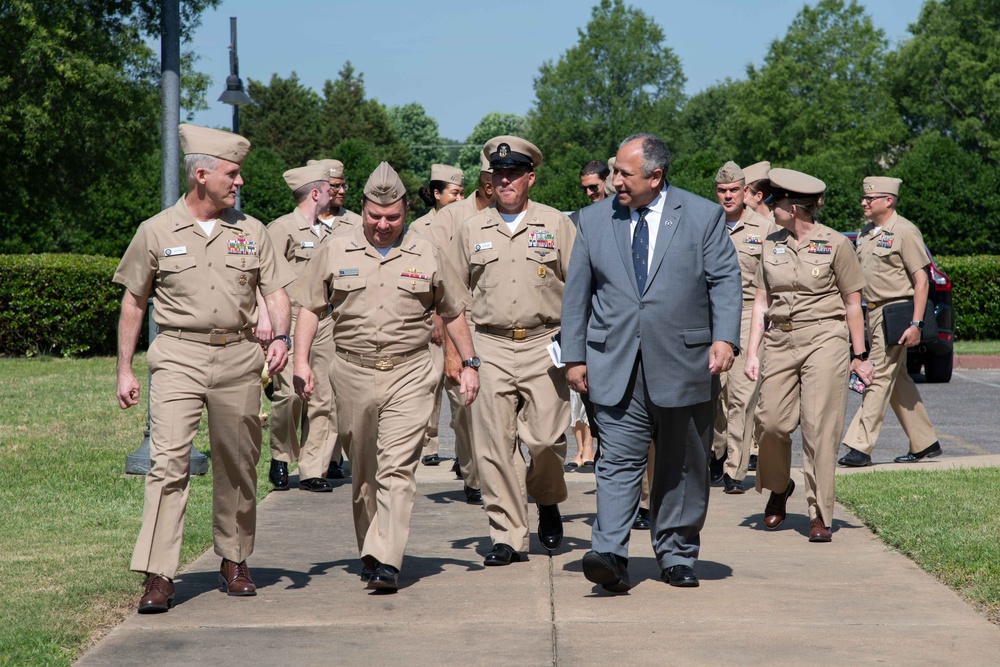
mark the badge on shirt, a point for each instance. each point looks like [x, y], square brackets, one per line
[778, 251]
[242, 246]
[884, 242]
[541, 238]
[488, 245]
[414, 273]
[179, 250]
[753, 239]
[307, 244]
[542, 253]
[348, 272]
[819, 247]
[541, 272]
[242, 280]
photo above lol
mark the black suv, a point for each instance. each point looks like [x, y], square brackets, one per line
[937, 357]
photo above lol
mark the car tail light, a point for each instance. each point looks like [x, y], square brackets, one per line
[942, 281]
[945, 336]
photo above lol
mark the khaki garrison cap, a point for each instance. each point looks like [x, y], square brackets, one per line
[507, 152]
[757, 171]
[791, 184]
[446, 173]
[383, 186]
[882, 185]
[609, 187]
[730, 173]
[302, 176]
[197, 140]
[484, 162]
[336, 167]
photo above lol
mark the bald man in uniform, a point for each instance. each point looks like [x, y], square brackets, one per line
[203, 261]
[514, 256]
[382, 285]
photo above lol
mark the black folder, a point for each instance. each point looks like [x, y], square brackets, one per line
[896, 318]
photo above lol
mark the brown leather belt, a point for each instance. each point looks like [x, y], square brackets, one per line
[380, 362]
[792, 326]
[517, 333]
[220, 337]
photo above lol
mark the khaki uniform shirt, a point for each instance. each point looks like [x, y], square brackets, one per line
[444, 223]
[343, 221]
[423, 225]
[381, 305]
[889, 258]
[809, 282]
[748, 237]
[294, 238]
[517, 280]
[202, 283]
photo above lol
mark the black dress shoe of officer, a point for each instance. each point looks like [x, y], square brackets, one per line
[715, 468]
[855, 459]
[930, 452]
[315, 484]
[384, 578]
[609, 571]
[752, 465]
[335, 471]
[641, 520]
[550, 529]
[731, 485]
[279, 475]
[682, 576]
[501, 554]
[455, 468]
[431, 460]
[366, 573]
[473, 496]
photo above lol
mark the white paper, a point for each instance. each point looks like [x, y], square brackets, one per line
[556, 353]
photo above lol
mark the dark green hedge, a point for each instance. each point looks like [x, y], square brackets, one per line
[62, 305]
[975, 295]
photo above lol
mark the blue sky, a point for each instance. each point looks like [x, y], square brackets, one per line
[464, 60]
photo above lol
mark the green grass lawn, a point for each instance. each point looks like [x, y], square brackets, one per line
[70, 514]
[948, 522]
[991, 347]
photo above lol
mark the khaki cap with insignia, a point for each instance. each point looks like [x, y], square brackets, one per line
[383, 186]
[757, 171]
[198, 140]
[446, 173]
[508, 152]
[729, 173]
[484, 162]
[883, 185]
[336, 167]
[791, 184]
[301, 176]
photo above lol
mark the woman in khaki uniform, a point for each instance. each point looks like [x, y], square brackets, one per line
[808, 282]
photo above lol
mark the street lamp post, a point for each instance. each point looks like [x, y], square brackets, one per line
[234, 93]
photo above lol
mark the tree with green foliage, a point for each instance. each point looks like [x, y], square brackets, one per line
[265, 195]
[284, 117]
[419, 133]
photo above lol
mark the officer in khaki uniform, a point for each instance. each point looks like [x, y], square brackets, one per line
[731, 444]
[203, 261]
[514, 256]
[382, 286]
[892, 255]
[298, 236]
[757, 189]
[808, 282]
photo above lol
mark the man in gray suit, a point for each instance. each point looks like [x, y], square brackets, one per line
[651, 316]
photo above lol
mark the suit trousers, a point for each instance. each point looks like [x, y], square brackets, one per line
[319, 431]
[523, 400]
[679, 495]
[382, 420]
[186, 378]
[734, 411]
[804, 381]
[893, 387]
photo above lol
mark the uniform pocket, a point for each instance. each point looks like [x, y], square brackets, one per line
[349, 295]
[543, 267]
[241, 273]
[175, 275]
[484, 268]
[413, 297]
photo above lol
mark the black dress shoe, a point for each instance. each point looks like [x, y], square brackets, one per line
[501, 554]
[457, 469]
[682, 576]
[335, 471]
[315, 484]
[610, 571]
[930, 452]
[279, 475]
[752, 465]
[550, 529]
[731, 485]
[431, 460]
[366, 573]
[641, 520]
[715, 468]
[854, 459]
[384, 578]
[473, 496]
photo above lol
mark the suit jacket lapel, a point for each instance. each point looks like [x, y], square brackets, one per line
[672, 212]
[621, 220]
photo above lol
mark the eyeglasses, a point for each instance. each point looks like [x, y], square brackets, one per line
[590, 188]
[342, 186]
[869, 200]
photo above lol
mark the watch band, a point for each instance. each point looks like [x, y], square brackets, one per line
[863, 356]
[917, 323]
[286, 339]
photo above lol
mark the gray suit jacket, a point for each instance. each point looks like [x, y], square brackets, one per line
[692, 298]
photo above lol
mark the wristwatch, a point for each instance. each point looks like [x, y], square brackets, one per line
[861, 357]
[287, 340]
[472, 362]
[917, 323]
[736, 349]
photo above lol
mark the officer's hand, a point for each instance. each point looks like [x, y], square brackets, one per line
[277, 357]
[470, 385]
[576, 377]
[752, 368]
[910, 337]
[437, 330]
[303, 382]
[452, 365]
[720, 357]
[128, 390]
[865, 370]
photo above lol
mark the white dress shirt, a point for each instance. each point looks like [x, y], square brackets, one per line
[653, 218]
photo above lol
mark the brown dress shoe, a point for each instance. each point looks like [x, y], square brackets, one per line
[158, 596]
[235, 578]
[774, 511]
[818, 532]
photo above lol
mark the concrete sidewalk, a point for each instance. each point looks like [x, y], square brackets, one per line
[765, 597]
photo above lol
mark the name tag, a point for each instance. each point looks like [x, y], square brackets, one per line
[307, 244]
[348, 272]
[179, 250]
[778, 251]
[484, 246]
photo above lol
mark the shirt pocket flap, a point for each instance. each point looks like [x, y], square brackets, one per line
[816, 258]
[177, 264]
[596, 335]
[750, 248]
[243, 262]
[701, 336]
[348, 284]
[413, 285]
[484, 257]
[775, 260]
[303, 253]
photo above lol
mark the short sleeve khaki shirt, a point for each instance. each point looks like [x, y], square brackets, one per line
[444, 223]
[889, 258]
[748, 236]
[295, 240]
[200, 282]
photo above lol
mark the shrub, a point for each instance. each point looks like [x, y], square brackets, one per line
[976, 295]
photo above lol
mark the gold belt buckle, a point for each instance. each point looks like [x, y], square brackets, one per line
[871, 306]
[383, 363]
[784, 326]
[217, 337]
[518, 333]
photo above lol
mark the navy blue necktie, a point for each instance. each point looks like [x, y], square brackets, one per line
[640, 249]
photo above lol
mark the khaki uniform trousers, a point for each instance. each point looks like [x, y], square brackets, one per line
[893, 387]
[319, 426]
[187, 376]
[459, 422]
[734, 410]
[523, 400]
[647, 477]
[382, 420]
[804, 380]
[431, 445]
